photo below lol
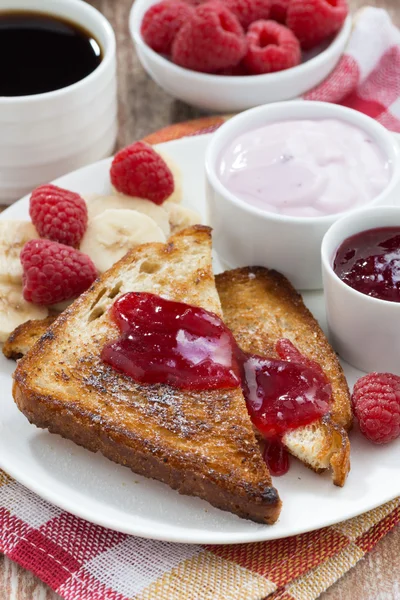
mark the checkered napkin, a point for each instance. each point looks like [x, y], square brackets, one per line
[81, 561]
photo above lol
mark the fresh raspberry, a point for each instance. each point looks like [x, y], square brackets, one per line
[211, 40]
[162, 22]
[376, 404]
[248, 11]
[271, 47]
[58, 215]
[312, 21]
[140, 171]
[279, 10]
[54, 272]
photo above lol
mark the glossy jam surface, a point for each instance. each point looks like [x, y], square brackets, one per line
[277, 457]
[369, 262]
[305, 168]
[164, 342]
[42, 53]
[284, 394]
[173, 343]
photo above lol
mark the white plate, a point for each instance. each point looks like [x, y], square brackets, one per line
[100, 491]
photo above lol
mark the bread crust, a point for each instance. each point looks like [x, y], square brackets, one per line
[21, 340]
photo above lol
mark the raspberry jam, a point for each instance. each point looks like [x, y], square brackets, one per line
[173, 343]
[277, 457]
[190, 348]
[369, 262]
[284, 394]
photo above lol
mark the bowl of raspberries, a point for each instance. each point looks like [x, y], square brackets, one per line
[231, 55]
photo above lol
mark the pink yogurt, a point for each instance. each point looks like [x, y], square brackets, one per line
[305, 168]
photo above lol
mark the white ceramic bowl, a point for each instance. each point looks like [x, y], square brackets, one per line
[365, 331]
[230, 94]
[46, 135]
[245, 235]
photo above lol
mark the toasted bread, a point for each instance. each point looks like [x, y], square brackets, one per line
[200, 443]
[25, 336]
[260, 307]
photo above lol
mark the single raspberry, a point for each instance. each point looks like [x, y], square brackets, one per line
[271, 47]
[211, 40]
[312, 21]
[162, 22]
[248, 11]
[140, 171]
[54, 272]
[279, 10]
[58, 215]
[376, 404]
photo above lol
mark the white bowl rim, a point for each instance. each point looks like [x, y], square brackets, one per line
[380, 133]
[109, 54]
[272, 78]
[327, 260]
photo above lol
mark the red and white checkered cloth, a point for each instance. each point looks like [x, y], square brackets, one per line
[367, 77]
[81, 561]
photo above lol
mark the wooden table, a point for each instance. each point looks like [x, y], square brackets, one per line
[143, 108]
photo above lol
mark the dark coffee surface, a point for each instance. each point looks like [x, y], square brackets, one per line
[41, 53]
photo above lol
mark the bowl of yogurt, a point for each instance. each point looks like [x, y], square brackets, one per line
[278, 176]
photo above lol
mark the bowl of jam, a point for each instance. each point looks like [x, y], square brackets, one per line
[361, 274]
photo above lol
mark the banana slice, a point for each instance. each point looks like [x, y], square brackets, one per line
[13, 236]
[114, 232]
[98, 204]
[14, 310]
[180, 216]
[176, 195]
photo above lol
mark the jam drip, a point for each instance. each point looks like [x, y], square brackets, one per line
[369, 262]
[190, 348]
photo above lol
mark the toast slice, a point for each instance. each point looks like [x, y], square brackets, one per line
[200, 443]
[260, 306]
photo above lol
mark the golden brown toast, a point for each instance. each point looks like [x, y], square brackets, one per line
[200, 443]
[260, 307]
[25, 336]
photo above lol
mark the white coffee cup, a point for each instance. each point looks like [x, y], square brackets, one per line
[43, 136]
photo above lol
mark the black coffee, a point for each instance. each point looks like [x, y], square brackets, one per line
[41, 53]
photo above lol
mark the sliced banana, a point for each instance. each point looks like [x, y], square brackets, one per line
[114, 232]
[14, 310]
[13, 237]
[176, 195]
[98, 204]
[180, 216]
